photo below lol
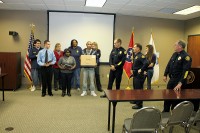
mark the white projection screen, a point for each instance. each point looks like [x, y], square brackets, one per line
[65, 26]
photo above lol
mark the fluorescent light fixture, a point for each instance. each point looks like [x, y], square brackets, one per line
[1, 1]
[189, 10]
[95, 3]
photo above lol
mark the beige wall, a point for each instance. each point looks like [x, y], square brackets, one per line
[165, 32]
[192, 27]
[20, 21]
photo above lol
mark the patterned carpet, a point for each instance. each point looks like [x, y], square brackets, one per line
[28, 112]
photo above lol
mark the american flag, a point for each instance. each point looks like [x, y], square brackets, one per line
[27, 62]
[128, 63]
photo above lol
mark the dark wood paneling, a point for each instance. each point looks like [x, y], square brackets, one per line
[10, 62]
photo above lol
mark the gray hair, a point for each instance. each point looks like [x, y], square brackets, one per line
[181, 43]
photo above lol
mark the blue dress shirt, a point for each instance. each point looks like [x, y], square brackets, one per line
[41, 57]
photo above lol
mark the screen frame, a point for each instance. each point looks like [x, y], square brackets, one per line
[114, 15]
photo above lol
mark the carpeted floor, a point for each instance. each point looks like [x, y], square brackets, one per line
[28, 112]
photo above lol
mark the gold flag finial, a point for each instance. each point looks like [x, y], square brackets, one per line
[32, 27]
[132, 28]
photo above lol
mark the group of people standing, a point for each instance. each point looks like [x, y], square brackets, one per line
[143, 68]
[64, 65]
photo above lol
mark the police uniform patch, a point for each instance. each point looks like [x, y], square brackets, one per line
[143, 56]
[179, 58]
[136, 57]
[187, 58]
[120, 52]
[124, 52]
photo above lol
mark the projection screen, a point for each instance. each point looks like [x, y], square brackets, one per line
[65, 26]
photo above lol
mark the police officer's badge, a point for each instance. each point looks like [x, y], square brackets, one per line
[77, 51]
[120, 52]
[179, 58]
[143, 56]
[187, 58]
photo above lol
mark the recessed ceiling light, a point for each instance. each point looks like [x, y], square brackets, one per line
[1, 1]
[189, 10]
[95, 3]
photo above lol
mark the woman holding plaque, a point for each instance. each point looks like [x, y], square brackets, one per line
[67, 64]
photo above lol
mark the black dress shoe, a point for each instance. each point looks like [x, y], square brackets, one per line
[137, 107]
[63, 94]
[103, 96]
[50, 94]
[100, 90]
[69, 94]
[132, 102]
[43, 95]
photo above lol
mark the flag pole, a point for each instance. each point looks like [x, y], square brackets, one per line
[32, 27]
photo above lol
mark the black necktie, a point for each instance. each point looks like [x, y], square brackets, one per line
[46, 56]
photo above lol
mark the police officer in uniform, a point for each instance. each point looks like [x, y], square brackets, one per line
[177, 70]
[140, 65]
[116, 62]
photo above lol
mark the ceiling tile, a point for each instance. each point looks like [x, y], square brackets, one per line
[56, 7]
[152, 8]
[140, 2]
[13, 1]
[33, 1]
[75, 8]
[75, 3]
[56, 2]
[161, 4]
[117, 1]
[115, 6]
[194, 2]
[37, 6]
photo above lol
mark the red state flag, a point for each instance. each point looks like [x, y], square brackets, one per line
[128, 63]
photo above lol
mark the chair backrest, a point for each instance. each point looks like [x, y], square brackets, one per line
[197, 119]
[145, 120]
[181, 113]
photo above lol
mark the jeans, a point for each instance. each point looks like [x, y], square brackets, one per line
[36, 76]
[149, 77]
[75, 83]
[88, 73]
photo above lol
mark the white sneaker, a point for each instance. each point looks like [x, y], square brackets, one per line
[33, 88]
[93, 93]
[84, 93]
[78, 89]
